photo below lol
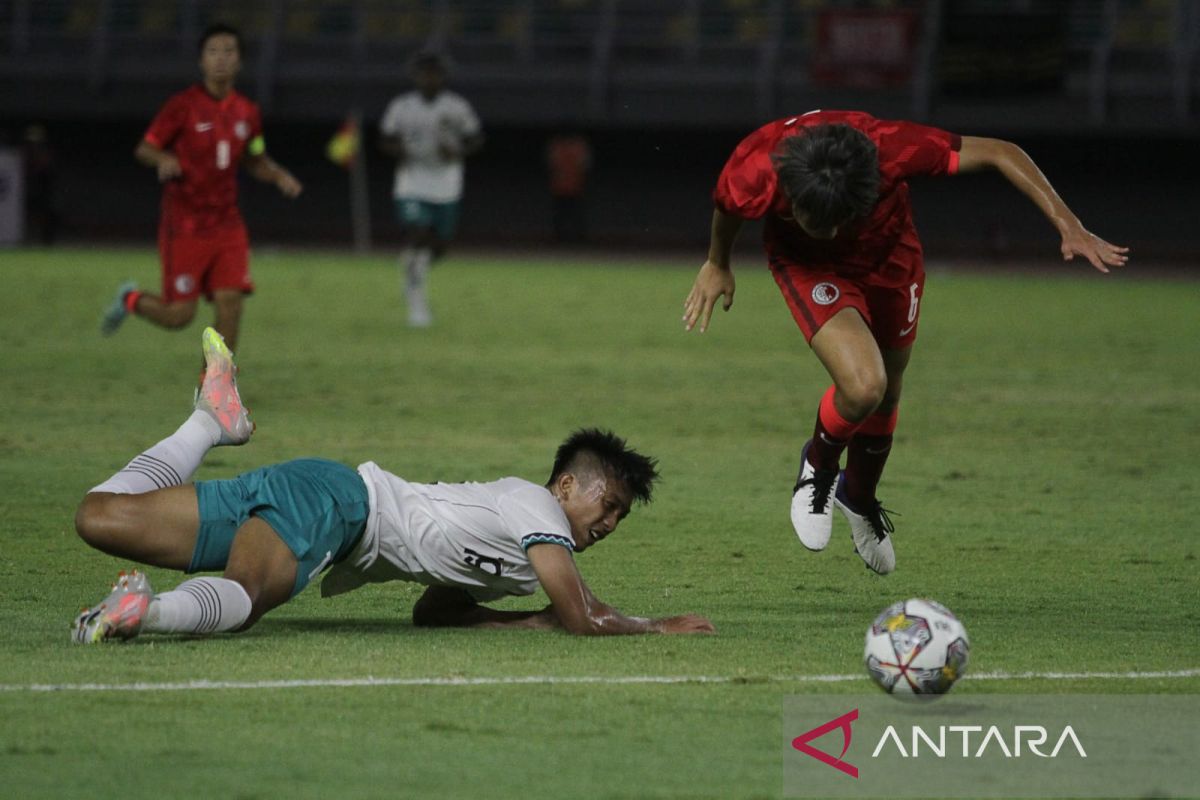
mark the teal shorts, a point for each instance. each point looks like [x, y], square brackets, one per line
[318, 508]
[442, 218]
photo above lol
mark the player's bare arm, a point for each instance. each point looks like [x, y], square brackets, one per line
[264, 168]
[580, 613]
[163, 162]
[981, 153]
[448, 607]
[715, 279]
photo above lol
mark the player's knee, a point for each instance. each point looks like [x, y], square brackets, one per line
[97, 520]
[178, 315]
[863, 394]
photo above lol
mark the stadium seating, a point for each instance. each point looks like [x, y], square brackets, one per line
[674, 60]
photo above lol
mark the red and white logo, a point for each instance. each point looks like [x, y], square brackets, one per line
[825, 293]
[801, 742]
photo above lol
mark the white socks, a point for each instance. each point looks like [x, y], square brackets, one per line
[171, 462]
[417, 262]
[199, 605]
[416, 267]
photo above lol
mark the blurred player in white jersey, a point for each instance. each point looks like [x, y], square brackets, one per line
[429, 131]
[273, 530]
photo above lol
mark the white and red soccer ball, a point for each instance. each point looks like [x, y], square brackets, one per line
[916, 647]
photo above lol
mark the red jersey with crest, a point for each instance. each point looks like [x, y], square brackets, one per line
[749, 188]
[209, 137]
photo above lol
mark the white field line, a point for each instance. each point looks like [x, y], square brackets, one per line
[565, 680]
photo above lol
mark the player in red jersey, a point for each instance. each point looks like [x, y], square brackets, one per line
[831, 187]
[195, 145]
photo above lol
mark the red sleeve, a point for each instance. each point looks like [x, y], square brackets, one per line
[913, 149]
[747, 184]
[167, 124]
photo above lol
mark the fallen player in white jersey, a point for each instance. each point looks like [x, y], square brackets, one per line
[275, 529]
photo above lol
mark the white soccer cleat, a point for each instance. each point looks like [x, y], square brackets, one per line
[118, 616]
[218, 395]
[812, 504]
[871, 530]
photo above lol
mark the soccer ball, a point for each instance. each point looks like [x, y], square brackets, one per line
[916, 647]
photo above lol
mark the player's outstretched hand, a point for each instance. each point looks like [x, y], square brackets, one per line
[1078, 241]
[687, 623]
[168, 168]
[288, 186]
[711, 283]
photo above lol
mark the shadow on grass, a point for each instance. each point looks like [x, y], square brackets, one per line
[358, 626]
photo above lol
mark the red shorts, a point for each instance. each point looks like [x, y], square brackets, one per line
[204, 262]
[891, 312]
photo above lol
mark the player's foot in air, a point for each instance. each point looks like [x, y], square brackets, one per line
[419, 315]
[218, 396]
[116, 312]
[118, 616]
[871, 530]
[812, 503]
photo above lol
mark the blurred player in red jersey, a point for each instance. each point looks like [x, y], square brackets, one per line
[838, 231]
[195, 145]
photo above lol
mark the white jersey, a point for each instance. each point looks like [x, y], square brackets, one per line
[423, 125]
[472, 536]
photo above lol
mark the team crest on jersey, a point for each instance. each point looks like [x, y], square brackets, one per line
[184, 284]
[242, 129]
[825, 293]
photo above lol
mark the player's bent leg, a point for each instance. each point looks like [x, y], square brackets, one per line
[848, 351]
[259, 575]
[157, 528]
[866, 458]
[263, 565]
[171, 315]
[872, 442]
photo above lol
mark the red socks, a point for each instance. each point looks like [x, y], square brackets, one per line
[867, 455]
[830, 435]
[130, 301]
[868, 443]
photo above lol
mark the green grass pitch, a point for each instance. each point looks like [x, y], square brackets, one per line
[1045, 472]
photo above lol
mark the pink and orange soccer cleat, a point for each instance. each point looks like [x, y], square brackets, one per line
[118, 616]
[218, 395]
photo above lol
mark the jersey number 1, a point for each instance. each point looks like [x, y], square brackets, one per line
[223, 154]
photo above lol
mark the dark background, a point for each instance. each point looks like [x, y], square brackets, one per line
[648, 189]
[1105, 96]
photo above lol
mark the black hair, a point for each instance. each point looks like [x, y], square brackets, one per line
[220, 29]
[830, 172]
[615, 457]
